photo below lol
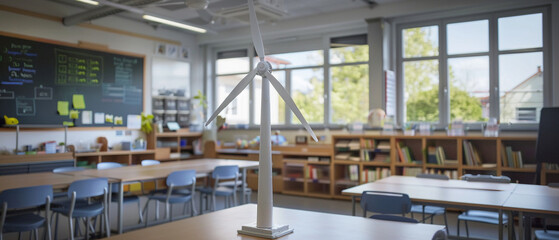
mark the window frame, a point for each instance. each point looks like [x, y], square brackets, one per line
[493, 54]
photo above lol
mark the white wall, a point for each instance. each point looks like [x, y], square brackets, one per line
[41, 28]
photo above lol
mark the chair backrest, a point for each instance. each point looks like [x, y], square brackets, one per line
[67, 169]
[182, 178]
[226, 172]
[553, 184]
[149, 162]
[385, 202]
[26, 197]
[88, 187]
[548, 136]
[433, 176]
[108, 165]
[485, 178]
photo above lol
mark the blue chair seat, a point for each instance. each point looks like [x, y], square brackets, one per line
[220, 191]
[23, 222]
[547, 235]
[174, 198]
[81, 210]
[393, 218]
[431, 210]
[490, 220]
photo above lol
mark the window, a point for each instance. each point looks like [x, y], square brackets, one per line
[446, 67]
[302, 73]
[231, 68]
[349, 78]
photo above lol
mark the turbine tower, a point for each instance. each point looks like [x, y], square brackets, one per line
[264, 226]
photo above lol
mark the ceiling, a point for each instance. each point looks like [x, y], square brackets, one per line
[220, 15]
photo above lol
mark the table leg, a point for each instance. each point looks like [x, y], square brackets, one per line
[120, 207]
[521, 226]
[510, 225]
[353, 205]
[243, 187]
[500, 224]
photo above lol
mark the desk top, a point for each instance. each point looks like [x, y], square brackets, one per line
[459, 184]
[437, 195]
[224, 224]
[140, 173]
[534, 198]
[37, 179]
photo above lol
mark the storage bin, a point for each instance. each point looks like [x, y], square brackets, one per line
[170, 116]
[183, 118]
[158, 115]
[183, 104]
[170, 103]
[158, 102]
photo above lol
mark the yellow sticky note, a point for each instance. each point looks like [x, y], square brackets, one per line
[69, 124]
[109, 118]
[78, 101]
[118, 120]
[62, 108]
[74, 114]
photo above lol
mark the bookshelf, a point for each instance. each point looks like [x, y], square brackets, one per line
[179, 145]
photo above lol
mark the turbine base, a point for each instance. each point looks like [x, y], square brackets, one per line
[271, 233]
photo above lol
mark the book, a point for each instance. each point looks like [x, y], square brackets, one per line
[354, 145]
[383, 145]
[510, 160]
[432, 155]
[504, 156]
[399, 146]
[353, 172]
[342, 156]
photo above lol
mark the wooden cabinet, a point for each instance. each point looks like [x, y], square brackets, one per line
[307, 170]
[16, 164]
[123, 157]
[180, 145]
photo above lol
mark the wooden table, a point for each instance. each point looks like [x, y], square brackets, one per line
[58, 181]
[224, 224]
[532, 200]
[137, 173]
[451, 193]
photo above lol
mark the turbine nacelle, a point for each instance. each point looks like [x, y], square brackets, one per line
[263, 67]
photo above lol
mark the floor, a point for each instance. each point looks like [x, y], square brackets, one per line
[483, 231]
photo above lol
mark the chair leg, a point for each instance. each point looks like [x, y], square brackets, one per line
[70, 228]
[171, 212]
[146, 210]
[446, 223]
[140, 212]
[458, 228]
[56, 227]
[87, 229]
[192, 210]
[467, 231]
[36, 233]
[213, 202]
[166, 210]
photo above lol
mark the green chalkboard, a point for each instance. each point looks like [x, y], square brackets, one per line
[42, 82]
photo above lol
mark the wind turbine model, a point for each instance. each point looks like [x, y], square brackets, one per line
[264, 226]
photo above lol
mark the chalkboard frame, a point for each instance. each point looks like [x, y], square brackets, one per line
[103, 49]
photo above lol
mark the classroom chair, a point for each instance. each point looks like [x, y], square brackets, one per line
[25, 198]
[88, 198]
[239, 184]
[548, 136]
[387, 204]
[114, 189]
[479, 215]
[432, 211]
[61, 195]
[180, 179]
[221, 173]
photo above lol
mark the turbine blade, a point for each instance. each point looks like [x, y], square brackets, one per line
[255, 31]
[289, 102]
[236, 91]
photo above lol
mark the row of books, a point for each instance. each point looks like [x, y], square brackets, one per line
[436, 155]
[316, 172]
[346, 145]
[353, 172]
[318, 159]
[452, 174]
[371, 175]
[404, 153]
[373, 156]
[411, 171]
[471, 154]
[513, 159]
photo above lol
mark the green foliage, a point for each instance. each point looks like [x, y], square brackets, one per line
[312, 104]
[423, 92]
